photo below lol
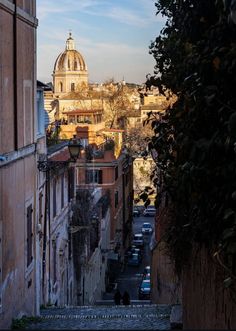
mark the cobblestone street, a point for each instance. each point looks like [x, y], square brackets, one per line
[133, 317]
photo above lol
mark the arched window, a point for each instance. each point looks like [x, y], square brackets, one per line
[68, 64]
[61, 87]
[72, 87]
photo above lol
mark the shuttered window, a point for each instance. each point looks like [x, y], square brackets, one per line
[54, 247]
[116, 199]
[62, 191]
[54, 192]
[71, 184]
[29, 235]
[93, 176]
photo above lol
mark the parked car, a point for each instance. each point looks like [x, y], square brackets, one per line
[147, 228]
[147, 276]
[144, 290]
[150, 211]
[138, 240]
[134, 260]
[136, 212]
[136, 250]
[147, 270]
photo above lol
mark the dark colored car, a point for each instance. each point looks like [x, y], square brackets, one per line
[147, 276]
[147, 270]
[133, 260]
[144, 290]
[136, 250]
[150, 211]
[147, 228]
[138, 240]
[136, 212]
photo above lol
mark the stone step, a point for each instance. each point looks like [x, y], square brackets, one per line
[102, 317]
[111, 302]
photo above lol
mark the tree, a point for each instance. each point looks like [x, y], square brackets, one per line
[195, 140]
[116, 103]
[136, 139]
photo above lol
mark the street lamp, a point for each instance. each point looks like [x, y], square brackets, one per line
[74, 147]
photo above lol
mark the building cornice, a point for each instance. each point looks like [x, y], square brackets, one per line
[8, 6]
[25, 17]
[21, 14]
[19, 154]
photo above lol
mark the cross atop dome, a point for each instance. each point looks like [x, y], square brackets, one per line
[70, 43]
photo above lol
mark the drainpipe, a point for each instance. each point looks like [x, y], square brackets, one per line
[49, 234]
[15, 99]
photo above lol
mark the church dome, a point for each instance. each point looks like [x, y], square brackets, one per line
[70, 70]
[70, 59]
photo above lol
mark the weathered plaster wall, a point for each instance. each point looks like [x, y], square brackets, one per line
[18, 279]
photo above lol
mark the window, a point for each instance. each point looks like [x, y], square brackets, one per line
[116, 199]
[54, 247]
[28, 112]
[40, 207]
[40, 113]
[54, 197]
[62, 191]
[93, 176]
[116, 173]
[29, 235]
[61, 86]
[71, 184]
[72, 87]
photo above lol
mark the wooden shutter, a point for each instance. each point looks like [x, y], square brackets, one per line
[99, 176]
[29, 235]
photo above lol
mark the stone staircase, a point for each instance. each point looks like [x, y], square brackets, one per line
[104, 317]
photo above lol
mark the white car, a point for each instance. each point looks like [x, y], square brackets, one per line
[147, 228]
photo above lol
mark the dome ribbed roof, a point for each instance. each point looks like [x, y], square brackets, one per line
[70, 59]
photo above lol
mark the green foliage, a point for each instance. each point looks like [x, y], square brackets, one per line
[23, 322]
[53, 135]
[195, 140]
[109, 145]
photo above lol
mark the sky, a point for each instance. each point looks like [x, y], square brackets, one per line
[113, 37]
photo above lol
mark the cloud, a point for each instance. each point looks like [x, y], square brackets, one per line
[141, 14]
[48, 7]
[107, 52]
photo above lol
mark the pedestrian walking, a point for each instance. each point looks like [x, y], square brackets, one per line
[117, 297]
[126, 298]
